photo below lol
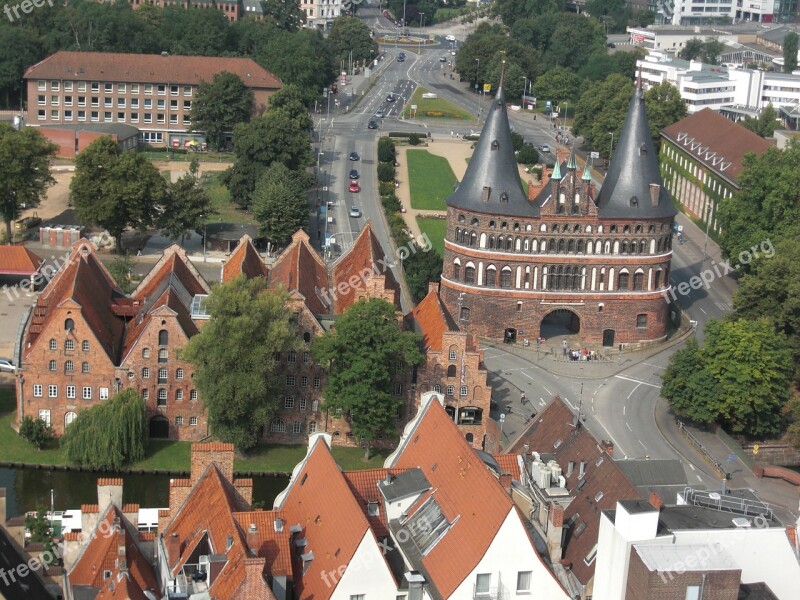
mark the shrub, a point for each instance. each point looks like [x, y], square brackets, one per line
[434, 113]
[414, 139]
[36, 431]
[385, 172]
[386, 150]
[517, 141]
[385, 188]
[398, 228]
[528, 155]
[391, 204]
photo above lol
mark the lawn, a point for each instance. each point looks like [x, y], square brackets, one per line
[226, 211]
[431, 180]
[435, 229]
[173, 455]
[434, 108]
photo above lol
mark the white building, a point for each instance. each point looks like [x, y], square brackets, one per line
[321, 13]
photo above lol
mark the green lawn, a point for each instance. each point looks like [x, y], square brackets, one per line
[172, 455]
[435, 229]
[431, 180]
[226, 209]
[434, 108]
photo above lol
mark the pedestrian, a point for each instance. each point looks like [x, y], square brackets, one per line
[565, 347]
[139, 251]
[522, 398]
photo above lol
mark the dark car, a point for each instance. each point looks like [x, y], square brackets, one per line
[390, 98]
[353, 174]
[611, 45]
[372, 125]
[354, 156]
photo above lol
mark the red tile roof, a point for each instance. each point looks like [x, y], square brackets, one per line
[510, 464]
[577, 445]
[432, 320]
[299, 268]
[365, 259]
[102, 551]
[364, 487]
[109, 481]
[148, 68]
[468, 494]
[174, 262]
[266, 542]
[121, 587]
[332, 522]
[715, 141]
[246, 260]
[18, 260]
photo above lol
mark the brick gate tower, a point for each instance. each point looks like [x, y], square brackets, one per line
[561, 258]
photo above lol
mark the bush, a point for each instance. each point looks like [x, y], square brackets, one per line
[386, 150]
[36, 431]
[391, 204]
[385, 172]
[434, 113]
[385, 188]
[398, 227]
[517, 141]
[528, 155]
[414, 139]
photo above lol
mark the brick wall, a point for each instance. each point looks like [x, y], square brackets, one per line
[775, 453]
[205, 454]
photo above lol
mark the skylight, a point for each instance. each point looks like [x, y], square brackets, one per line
[427, 525]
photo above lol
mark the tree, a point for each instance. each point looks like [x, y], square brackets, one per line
[664, 107]
[739, 378]
[706, 51]
[24, 170]
[386, 150]
[361, 355]
[19, 49]
[528, 155]
[601, 111]
[763, 125]
[187, 205]
[765, 208]
[351, 39]
[558, 85]
[234, 357]
[219, 106]
[285, 13]
[790, 43]
[280, 202]
[108, 435]
[36, 431]
[385, 172]
[121, 268]
[421, 268]
[116, 189]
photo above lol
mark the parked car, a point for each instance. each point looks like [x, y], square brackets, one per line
[354, 174]
[354, 187]
[372, 125]
[442, 59]
[390, 98]
[450, 38]
[355, 212]
[354, 156]
[7, 365]
[544, 148]
[611, 45]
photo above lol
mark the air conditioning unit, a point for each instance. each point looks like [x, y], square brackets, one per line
[543, 477]
[555, 470]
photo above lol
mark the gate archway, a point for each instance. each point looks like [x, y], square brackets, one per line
[560, 322]
[159, 427]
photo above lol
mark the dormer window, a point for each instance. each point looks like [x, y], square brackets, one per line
[486, 191]
[503, 197]
[495, 145]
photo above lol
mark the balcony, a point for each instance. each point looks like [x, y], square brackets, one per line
[493, 593]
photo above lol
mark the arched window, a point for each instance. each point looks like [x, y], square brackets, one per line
[475, 222]
[624, 246]
[626, 229]
[163, 337]
[638, 229]
[457, 271]
[69, 325]
[451, 370]
[492, 224]
[580, 246]
[552, 246]
[307, 337]
[660, 245]
[561, 246]
[657, 280]
[277, 426]
[642, 246]
[571, 246]
[464, 314]
[622, 281]
[463, 390]
[505, 277]
[458, 234]
[576, 278]
[526, 245]
[516, 226]
[504, 226]
[473, 238]
[509, 243]
[491, 276]
[69, 418]
[638, 280]
[491, 242]
[469, 274]
[461, 218]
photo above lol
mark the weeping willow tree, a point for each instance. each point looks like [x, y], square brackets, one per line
[110, 434]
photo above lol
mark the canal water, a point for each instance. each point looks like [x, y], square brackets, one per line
[29, 489]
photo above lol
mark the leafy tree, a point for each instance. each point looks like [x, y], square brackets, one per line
[290, 99]
[790, 52]
[194, 32]
[528, 155]
[386, 150]
[558, 85]
[739, 378]
[481, 54]
[573, 40]
[705, 51]
[763, 125]
[664, 107]
[286, 14]
[19, 49]
[361, 355]
[351, 35]
[236, 373]
[121, 268]
[36, 431]
[187, 205]
[765, 208]
[220, 105]
[511, 11]
[280, 203]
[116, 190]
[421, 268]
[385, 172]
[108, 435]
[24, 170]
[601, 111]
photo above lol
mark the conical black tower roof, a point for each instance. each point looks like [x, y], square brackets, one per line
[491, 183]
[626, 191]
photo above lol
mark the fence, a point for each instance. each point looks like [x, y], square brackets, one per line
[706, 455]
[736, 448]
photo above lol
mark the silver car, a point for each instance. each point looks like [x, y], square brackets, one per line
[7, 365]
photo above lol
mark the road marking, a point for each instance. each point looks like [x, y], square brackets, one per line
[631, 394]
[623, 409]
[699, 478]
[643, 446]
[570, 404]
[629, 428]
[541, 401]
[639, 381]
[701, 308]
[691, 466]
[654, 366]
[592, 407]
[548, 391]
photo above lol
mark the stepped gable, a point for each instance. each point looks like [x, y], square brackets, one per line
[628, 190]
[365, 261]
[491, 184]
[300, 269]
[245, 260]
[430, 317]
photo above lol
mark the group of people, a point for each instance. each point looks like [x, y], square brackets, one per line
[575, 354]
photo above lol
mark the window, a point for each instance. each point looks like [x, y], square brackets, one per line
[148, 88]
[277, 357]
[86, 393]
[178, 394]
[69, 366]
[193, 395]
[95, 86]
[451, 390]
[148, 103]
[162, 376]
[69, 418]
[312, 427]
[692, 592]
[303, 403]
[163, 354]
[55, 85]
[120, 102]
[591, 556]
[290, 380]
[107, 116]
[523, 581]
[464, 313]
[41, 85]
[315, 405]
[134, 103]
[398, 389]
[44, 415]
[316, 382]
[173, 89]
[469, 275]
[358, 596]
[437, 388]
[121, 88]
[108, 88]
[297, 427]
[71, 392]
[103, 393]
[482, 583]
[178, 421]
[505, 278]
[187, 90]
[453, 355]
[37, 390]
[107, 102]
[598, 496]
[641, 321]
[163, 337]
[162, 89]
[179, 374]
[173, 105]
[291, 356]
[145, 352]
[192, 420]
[288, 402]
[145, 373]
[53, 365]
[304, 381]
[145, 395]
[85, 345]
[277, 426]
[69, 345]
[53, 345]
[162, 397]
[81, 101]
[622, 281]
[305, 356]
[462, 391]
[134, 88]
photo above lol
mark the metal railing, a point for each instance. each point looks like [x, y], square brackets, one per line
[699, 446]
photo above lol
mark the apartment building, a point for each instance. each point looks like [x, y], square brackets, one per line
[151, 92]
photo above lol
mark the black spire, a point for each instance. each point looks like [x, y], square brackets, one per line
[629, 190]
[491, 183]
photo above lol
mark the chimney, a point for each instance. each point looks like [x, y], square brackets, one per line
[556, 515]
[433, 286]
[252, 537]
[486, 192]
[173, 544]
[505, 481]
[655, 500]
[655, 190]
[526, 448]
[388, 479]
[608, 447]
[122, 561]
[592, 190]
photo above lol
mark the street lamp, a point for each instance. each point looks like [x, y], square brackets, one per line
[611, 152]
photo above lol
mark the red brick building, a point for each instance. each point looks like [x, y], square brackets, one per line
[562, 259]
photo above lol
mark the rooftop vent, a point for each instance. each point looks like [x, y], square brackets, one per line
[495, 145]
[388, 479]
[252, 528]
[486, 191]
[278, 524]
[655, 192]
[228, 543]
[741, 522]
